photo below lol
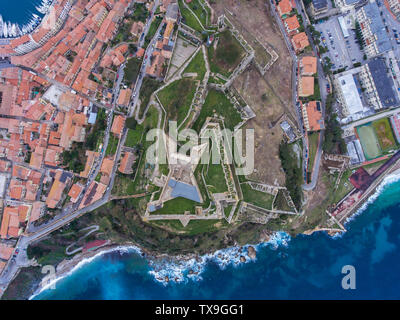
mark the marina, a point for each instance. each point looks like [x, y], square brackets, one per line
[9, 29]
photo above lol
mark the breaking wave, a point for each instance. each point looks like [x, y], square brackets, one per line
[183, 270]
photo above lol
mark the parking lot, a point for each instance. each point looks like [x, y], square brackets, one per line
[392, 27]
[342, 52]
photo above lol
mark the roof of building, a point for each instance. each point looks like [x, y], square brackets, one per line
[320, 4]
[300, 41]
[309, 64]
[184, 190]
[126, 163]
[36, 210]
[285, 6]
[360, 178]
[314, 115]
[377, 26]
[383, 83]
[12, 216]
[57, 189]
[350, 93]
[94, 193]
[6, 251]
[75, 191]
[168, 29]
[306, 86]
[118, 125]
[140, 52]
[91, 155]
[107, 166]
[292, 23]
[124, 97]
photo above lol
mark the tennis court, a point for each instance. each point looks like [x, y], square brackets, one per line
[369, 141]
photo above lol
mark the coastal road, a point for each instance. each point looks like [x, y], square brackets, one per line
[322, 81]
[68, 215]
[295, 80]
[146, 60]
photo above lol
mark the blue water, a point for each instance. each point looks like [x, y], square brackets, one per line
[19, 11]
[309, 267]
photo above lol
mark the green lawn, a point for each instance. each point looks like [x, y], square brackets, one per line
[216, 80]
[258, 198]
[177, 206]
[312, 148]
[384, 132]
[152, 30]
[112, 145]
[202, 187]
[195, 6]
[227, 210]
[281, 203]
[125, 185]
[227, 55]
[217, 101]
[134, 136]
[148, 87]
[194, 227]
[344, 186]
[197, 65]
[140, 12]
[188, 18]
[131, 71]
[215, 177]
[177, 97]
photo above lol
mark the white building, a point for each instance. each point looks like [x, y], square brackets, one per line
[348, 95]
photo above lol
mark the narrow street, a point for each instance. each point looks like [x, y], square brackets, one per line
[67, 215]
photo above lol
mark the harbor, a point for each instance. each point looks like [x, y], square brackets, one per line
[10, 29]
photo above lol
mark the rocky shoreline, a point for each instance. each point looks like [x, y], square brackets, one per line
[161, 261]
[158, 262]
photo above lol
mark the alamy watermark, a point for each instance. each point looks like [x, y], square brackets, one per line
[48, 281]
[349, 280]
[212, 145]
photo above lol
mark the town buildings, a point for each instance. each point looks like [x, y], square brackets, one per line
[300, 42]
[284, 7]
[306, 86]
[376, 40]
[312, 116]
[319, 7]
[378, 84]
[394, 6]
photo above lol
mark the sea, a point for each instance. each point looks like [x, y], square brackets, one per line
[302, 267]
[19, 12]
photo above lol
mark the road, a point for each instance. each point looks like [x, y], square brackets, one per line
[146, 60]
[68, 215]
[377, 116]
[322, 85]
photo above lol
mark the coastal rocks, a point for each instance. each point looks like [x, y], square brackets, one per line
[265, 236]
[242, 259]
[251, 252]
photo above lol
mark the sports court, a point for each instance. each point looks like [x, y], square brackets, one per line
[384, 133]
[369, 141]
